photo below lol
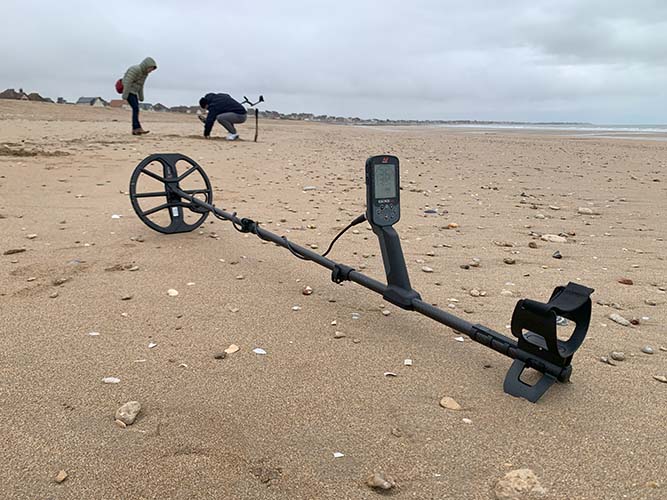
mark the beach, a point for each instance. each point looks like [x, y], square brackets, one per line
[76, 260]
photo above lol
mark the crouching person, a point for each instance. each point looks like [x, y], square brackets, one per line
[224, 109]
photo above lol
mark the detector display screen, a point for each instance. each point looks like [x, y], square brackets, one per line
[384, 176]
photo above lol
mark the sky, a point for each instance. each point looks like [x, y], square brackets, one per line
[597, 61]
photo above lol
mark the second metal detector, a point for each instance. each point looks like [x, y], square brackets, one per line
[534, 324]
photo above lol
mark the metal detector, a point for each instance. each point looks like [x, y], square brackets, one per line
[252, 105]
[534, 324]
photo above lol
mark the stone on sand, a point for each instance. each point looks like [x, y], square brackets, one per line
[553, 238]
[128, 412]
[450, 404]
[380, 481]
[519, 484]
[617, 318]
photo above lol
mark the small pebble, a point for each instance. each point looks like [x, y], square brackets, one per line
[339, 335]
[61, 476]
[232, 349]
[660, 378]
[386, 312]
[307, 290]
[606, 360]
[172, 293]
[617, 318]
[380, 481]
[427, 269]
[466, 421]
[13, 251]
[625, 281]
[220, 355]
[450, 404]
[532, 244]
[650, 302]
[407, 362]
[53, 295]
[111, 380]
[647, 349]
[617, 356]
[557, 255]
[126, 297]
[553, 238]
[128, 412]
[509, 260]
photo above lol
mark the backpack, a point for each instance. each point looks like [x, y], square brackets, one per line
[119, 86]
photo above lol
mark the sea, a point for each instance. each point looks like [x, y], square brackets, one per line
[642, 132]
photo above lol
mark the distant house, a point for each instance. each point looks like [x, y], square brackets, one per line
[13, 94]
[145, 106]
[97, 102]
[119, 103]
[34, 96]
[186, 109]
[62, 100]
[160, 107]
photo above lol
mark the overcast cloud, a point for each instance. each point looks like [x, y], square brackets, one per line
[540, 60]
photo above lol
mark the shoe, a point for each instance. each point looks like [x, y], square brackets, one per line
[139, 131]
[232, 137]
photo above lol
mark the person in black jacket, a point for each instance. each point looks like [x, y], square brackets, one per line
[226, 110]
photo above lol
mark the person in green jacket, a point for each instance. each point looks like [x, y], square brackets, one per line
[133, 89]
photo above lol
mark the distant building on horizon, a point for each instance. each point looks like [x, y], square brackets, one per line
[186, 109]
[145, 106]
[96, 102]
[119, 104]
[160, 107]
[13, 94]
[34, 96]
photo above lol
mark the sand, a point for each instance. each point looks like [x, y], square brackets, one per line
[267, 426]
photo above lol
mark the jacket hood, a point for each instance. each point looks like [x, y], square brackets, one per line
[147, 63]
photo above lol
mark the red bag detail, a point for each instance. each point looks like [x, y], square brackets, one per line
[119, 86]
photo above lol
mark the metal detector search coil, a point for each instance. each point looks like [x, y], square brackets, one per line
[534, 323]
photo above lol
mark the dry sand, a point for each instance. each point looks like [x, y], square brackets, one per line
[252, 426]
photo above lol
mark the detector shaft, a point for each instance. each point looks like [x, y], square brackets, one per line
[478, 333]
